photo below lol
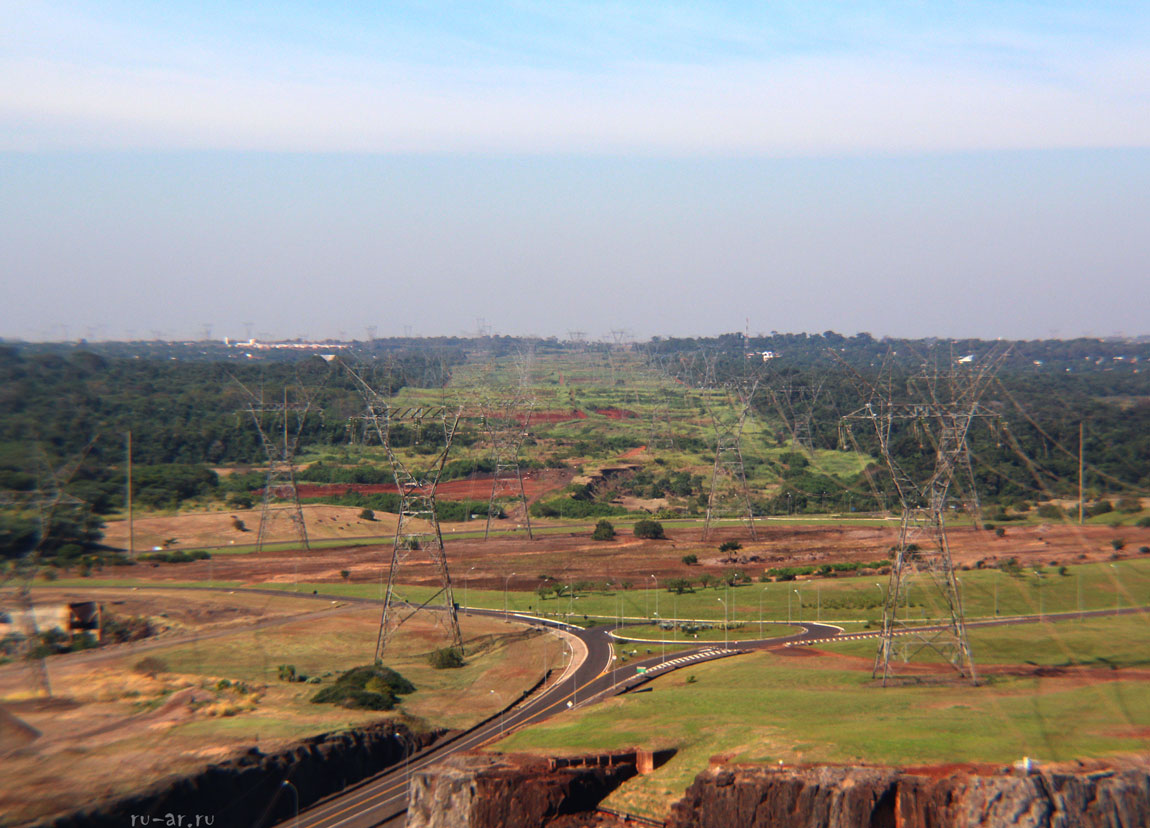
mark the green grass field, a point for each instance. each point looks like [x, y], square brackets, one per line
[766, 707]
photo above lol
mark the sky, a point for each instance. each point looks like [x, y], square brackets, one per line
[318, 170]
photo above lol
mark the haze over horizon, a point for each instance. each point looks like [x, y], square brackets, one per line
[935, 169]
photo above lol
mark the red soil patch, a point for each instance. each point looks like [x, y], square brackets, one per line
[635, 452]
[616, 413]
[552, 416]
[476, 487]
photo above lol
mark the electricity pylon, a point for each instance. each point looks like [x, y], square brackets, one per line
[417, 528]
[728, 466]
[279, 425]
[49, 502]
[940, 408]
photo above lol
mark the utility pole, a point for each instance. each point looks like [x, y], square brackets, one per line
[1080, 466]
[131, 523]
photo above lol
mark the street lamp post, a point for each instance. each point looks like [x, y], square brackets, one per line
[466, 582]
[656, 580]
[789, 607]
[506, 580]
[295, 792]
[1079, 596]
[724, 603]
[762, 595]
[800, 594]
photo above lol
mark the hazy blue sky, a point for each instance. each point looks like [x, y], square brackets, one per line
[916, 168]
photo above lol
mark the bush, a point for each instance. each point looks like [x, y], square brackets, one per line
[1118, 544]
[366, 688]
[446, 658]
[690, 560]
[649, 529]
[603, 530]
[1050, 511]
[999, 532]
[1129, 505]
[367, 514]
[1143, 523]
[150, 665]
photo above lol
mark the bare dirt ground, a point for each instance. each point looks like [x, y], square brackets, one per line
[116, 723]
[219, 529]
[573, 555]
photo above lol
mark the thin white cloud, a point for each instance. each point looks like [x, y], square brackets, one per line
[128, 86]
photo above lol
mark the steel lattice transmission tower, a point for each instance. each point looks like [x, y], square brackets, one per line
[417, 528]
[940, 409]
[50, 503]
[507, 420]
[729, 470]
[795, 405]
[279, 425]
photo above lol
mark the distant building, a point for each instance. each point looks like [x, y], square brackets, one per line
[82, 616]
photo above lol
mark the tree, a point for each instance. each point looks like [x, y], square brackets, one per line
[730, 546]
[367, 514]
[690, 559]
[679, 585]
[603, 530]
[648, 529]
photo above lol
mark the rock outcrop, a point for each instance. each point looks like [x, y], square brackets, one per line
[486, 791]
[850, 797]
[250, 791]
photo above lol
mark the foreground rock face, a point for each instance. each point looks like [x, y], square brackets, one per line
[250, 791]
[850, 797]
[483, 791]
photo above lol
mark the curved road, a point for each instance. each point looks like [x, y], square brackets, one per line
[382, 799]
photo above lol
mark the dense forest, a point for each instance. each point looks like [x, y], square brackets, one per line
[186, 405]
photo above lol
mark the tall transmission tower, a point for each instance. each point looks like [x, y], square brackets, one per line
[507, 420]
[417, 529]
[279, 425]
[728, 420]
[795, 405]
[940, 409]
[49, 502]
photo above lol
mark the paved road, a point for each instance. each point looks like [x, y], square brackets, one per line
[382, 800]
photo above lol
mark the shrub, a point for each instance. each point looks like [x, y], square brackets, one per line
[1000, 532]
[150, 665]
[1129, 505]
[367, 514]
[1050, 511]
[649, 529]
[287, 672]
[1143, 523]
[690, 560]
[238, 524]
[446, 658]
[603, 530]
[366, 688]
[1118, 543]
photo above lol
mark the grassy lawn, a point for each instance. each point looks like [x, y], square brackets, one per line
[766, 707]
[738, 630]
[850, 601]
[1115, 642]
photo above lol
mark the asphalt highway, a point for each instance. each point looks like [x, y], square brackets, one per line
[382, 799]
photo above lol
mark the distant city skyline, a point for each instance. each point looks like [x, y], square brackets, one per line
[931, 169]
